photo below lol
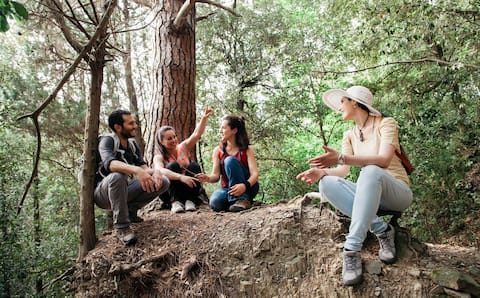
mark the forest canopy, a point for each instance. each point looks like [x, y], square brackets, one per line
[271, 64]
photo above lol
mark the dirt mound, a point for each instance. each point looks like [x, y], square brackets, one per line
[290, 249]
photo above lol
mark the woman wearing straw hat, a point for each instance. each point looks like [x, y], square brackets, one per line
[382, 183]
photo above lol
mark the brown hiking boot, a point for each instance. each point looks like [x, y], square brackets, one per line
[126, 235]
[240, 205]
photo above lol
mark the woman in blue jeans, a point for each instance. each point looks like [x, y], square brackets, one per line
[382, 183]
[233, 161]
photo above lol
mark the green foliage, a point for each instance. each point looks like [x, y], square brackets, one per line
[24, 261]
[9, 9]
[14, 251]
[34, 252]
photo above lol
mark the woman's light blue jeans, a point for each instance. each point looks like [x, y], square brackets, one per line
[236, 173]
[375, 189]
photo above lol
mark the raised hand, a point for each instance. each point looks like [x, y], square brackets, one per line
[208, 111]
[330, 158]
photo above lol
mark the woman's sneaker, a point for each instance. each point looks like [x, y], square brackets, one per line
[190, 206]
[387, 252]
[352, 268]
[177, 207]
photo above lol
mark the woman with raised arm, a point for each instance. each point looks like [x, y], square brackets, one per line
[234, 161]
[382, 183]
[185, 189]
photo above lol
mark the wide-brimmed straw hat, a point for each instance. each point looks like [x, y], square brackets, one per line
[332, 98]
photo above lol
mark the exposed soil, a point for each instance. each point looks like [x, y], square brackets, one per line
[290, 249]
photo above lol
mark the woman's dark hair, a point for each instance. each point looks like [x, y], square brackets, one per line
[361, 105]
[159, 148]
[116, 117]
[364, 107]
[241, 138]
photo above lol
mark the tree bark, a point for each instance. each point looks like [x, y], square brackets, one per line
[132, 94]
[173, 75]
[88, 237]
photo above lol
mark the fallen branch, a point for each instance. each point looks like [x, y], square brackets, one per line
[191, 263]
[68, 272]
[126, 268]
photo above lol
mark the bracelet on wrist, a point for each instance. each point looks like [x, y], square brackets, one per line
[324, 174]
[247, 185]
[341, 159]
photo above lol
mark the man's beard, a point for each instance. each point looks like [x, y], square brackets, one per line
[126, 134]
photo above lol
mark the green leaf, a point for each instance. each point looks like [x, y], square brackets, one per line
[3, 24]
[20, 10]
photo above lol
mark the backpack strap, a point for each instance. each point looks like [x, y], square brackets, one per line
[132, 144]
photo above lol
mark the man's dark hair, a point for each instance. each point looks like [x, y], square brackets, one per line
[116, 117]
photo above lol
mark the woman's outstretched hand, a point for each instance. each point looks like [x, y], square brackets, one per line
[311, 176]
[190, 181]
[202, 177]
[330, 158]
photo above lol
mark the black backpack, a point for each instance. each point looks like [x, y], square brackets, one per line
[100, 170]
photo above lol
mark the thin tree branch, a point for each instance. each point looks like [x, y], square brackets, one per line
[422, 60]
[35, 165]
[181, 17]
[198, 19]
[35, 114]
[138, 28]
[85, 11]
[219, 6]
[59, 17]
[74, 19]
[94, 12]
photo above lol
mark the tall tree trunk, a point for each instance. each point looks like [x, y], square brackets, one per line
[132, 94]
[173, 75]
[88, 237]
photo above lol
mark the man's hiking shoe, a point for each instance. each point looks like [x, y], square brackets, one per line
[240, 205]
[126, 235]
[190, 206]
[386, 253]
[134, 218]
[177, 207]
[352, 268]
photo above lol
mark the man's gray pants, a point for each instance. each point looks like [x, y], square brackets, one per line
[122, 195]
